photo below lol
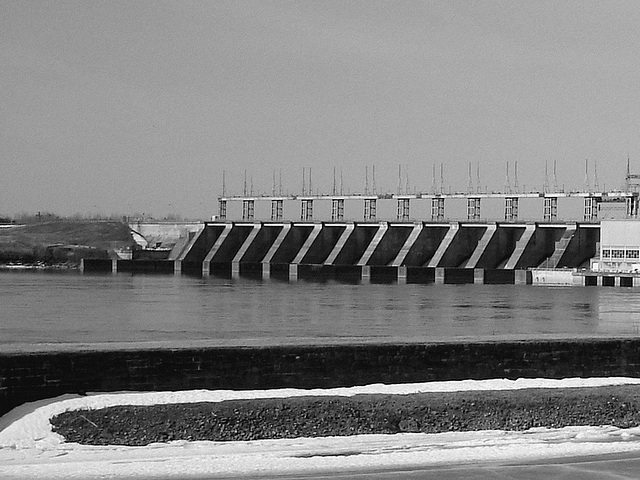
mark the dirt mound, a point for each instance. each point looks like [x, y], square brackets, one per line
[360, 414]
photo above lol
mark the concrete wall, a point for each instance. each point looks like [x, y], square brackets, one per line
[164, 232]
[29, 376]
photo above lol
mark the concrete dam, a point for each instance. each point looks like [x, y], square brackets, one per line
[418, 252]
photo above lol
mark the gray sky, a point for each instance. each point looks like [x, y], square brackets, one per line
[135, 106]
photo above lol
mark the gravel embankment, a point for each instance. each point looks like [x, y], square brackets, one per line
[362, 414]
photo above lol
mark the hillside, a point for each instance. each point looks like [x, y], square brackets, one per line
[33, 243]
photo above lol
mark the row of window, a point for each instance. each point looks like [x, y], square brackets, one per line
[619, 253]
[437, 209]
[337, 209]
[306, 210]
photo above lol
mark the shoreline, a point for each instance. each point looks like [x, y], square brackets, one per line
[29, 448]
[312, 416]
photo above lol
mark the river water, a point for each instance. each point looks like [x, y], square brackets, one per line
[71, 308]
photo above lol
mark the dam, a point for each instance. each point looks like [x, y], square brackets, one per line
[414, 252]
[484, 238]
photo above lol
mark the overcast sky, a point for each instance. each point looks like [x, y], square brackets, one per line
[135, 106]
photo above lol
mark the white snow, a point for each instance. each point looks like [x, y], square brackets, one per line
[29, 449]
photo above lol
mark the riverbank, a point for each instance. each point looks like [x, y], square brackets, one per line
[29, 448]
[53, 243]
[286, 418]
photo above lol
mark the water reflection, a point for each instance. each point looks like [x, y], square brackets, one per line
[40, 308]
[619, 312]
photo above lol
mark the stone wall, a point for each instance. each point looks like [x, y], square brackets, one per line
[32, 376]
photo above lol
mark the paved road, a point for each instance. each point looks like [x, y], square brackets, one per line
[616, 466]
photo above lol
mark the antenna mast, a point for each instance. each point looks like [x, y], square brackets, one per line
[333, 191]
[434, 187]
[273, 184]
[586, 175]
[304, 183]
[244, 191]
[224, 183]
[507, 181]
[545, 187]
[406, 185]
[373, 174]
[366, 180]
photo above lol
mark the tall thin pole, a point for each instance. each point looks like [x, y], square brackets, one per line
[507, 181]
[244, 191]
[224, 183]
[586, 175]
[434, 186]
[333, 191]
[545, 186]
[304, 183]
[406, 174]
[373, 175]
[366, 180]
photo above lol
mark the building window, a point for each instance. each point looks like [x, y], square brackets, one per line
[550, 209]
[337, 210]
[606, 253]
[276, 210]
[616, 253]
[369, 209]
[222, 209]
[511, 209]
[632, 254]
[590, 208]
[306, 211]
[403, 209]
[248, 209]
[473, 209]
[437, 209]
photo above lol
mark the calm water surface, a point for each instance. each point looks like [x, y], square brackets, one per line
[71, 308]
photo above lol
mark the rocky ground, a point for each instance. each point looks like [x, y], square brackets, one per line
[362, 414]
